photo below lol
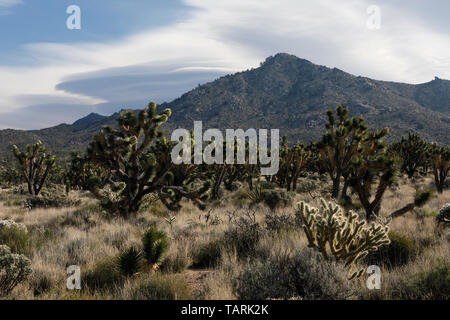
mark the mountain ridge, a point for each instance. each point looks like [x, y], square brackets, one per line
[285, 92]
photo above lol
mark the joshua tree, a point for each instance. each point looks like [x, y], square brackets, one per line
[440, 161]
[293, 161]
[413, 152]
[35, 165]
[137, 161]
[340, 144]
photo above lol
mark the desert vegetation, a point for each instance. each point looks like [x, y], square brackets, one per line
[140, 227]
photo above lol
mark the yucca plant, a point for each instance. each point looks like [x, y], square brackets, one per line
[155, 247]
[130, 261]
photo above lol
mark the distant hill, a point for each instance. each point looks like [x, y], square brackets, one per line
[285, 92]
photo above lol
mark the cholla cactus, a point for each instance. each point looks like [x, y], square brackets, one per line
[444, 214]
[346, 238]
[14, 268]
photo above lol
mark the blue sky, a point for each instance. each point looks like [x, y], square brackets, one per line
[130, 52]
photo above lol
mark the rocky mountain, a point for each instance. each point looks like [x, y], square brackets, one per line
[285, 92]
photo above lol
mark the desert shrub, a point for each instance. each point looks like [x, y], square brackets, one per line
[315, 278]
[262, 280]
[267, 185]
[51, 198]
[430, 285]
[243, 237]
[105, 275]
[398, 253]
[277, 198]
[304, 275]
[15, 236]
[208, 255]
[158, 287]
[307, 186]
[14, 269]
[129, 261]
[154, 246]
[280, 222]
[176, 263]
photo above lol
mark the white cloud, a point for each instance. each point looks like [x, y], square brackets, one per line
[9, 3]
[235, 35]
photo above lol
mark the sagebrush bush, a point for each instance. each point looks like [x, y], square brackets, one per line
[15, 236]
[399, 252]
[208, 255]
[157, 287]
[14, 269]
[307, 186]
[277, 198]
[280, 222]
[430, 285]
[51, 198]
[303, 275]
[243, 237]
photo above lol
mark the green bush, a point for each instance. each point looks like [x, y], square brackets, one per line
[15, 236]
[51, 198]
[280, 222]
[105, 276]
[243, 237]
[399, 252]
[305, 275]
[175, 263]
[307, 186]
[159, 287]
[276, 198]
[431, 285]
[208, 255]
[14, 269]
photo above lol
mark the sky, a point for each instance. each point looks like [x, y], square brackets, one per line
[128, 53]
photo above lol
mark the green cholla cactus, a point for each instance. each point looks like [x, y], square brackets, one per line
[444, 215]
[342, 237]
[14, 269]
[129, 261]
[155, 247]
[35, 165]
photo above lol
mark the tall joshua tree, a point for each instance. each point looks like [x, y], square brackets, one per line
[132, 167]
[343, 140]
[137, 160]
[440, 161]
[35, 165]
[293, 161]
[413, 151]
